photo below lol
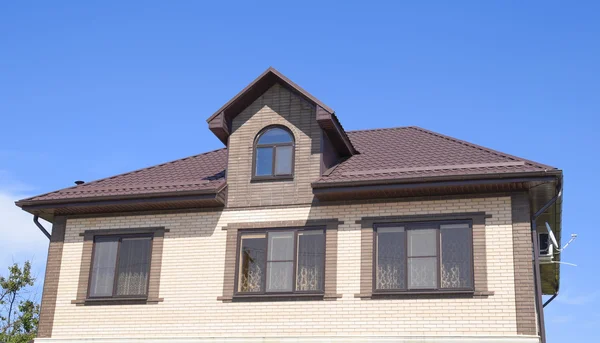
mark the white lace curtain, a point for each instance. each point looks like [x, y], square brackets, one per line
[134, 257]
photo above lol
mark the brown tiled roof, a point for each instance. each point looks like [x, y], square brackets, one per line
[399, 154]
[406, 153]
[204, 172]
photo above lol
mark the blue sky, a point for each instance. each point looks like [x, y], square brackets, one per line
[92, 89]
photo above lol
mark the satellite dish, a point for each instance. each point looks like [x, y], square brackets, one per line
[552, 238]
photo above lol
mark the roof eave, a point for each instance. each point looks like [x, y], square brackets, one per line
[39, 204]
[323, 186]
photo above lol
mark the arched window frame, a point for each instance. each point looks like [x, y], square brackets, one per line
[273, 176]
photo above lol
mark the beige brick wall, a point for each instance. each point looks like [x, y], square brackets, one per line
[276, 106]
[192, 279]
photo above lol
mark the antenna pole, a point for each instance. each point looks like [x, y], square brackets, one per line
[573, 237]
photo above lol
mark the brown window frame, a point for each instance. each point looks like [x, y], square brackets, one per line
[264, 293]
[274, 147]
[416, 225]
[115, 276]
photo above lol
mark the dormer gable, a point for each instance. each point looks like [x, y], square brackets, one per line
[220, 123]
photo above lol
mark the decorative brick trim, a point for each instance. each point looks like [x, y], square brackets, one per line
[331, 250]
[153, 277]
[230, 263]
[327, 223]
[480, 265]
[523, 266]
[55, 251]
[366, 260]
[316, 203]
[367, 222]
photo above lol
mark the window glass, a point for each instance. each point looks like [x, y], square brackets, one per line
[275, 135]
[422, 258]
[274, 153]
[280, 276]
[280, 264]
[391, 258]
[282, 261]
[422, 242]
[311, 261]
[283, 160]
[422, 272]
[134, 264]
[456, 256]
[264, 161]
[252, 262]
[103, 266]
[414, 256]
[281, 246]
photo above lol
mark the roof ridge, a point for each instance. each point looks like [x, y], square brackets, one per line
[476, 146]
[122, 174]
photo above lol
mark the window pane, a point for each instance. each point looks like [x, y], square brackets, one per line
[283, 160]
[281, 246]
[275, 135]
[422, 272]
[279, 276]
[134, 265]
[264, 161]
[103, 266]
[422, 242]
[391, 258]
[456, 269]
[253, 254]
[311, 260]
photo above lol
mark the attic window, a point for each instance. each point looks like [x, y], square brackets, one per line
[274, 154]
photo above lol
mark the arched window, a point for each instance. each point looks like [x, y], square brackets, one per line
[274, 154]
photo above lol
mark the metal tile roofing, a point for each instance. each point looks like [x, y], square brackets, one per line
[396, 154]
[195, 173]
[411, 152]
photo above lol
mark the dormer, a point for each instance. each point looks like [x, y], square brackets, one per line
[279, 139]
[220, 122]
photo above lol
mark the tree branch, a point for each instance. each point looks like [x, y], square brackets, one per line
[12, 302]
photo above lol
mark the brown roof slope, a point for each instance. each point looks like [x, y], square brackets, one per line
[204, 172]
[400, 154]
[407, 153]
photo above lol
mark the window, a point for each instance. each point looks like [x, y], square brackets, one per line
[281, 261]
[274, 154]
[120, 266]
[544, 244]
[424, 256]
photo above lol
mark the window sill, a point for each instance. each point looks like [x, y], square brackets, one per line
[257, 179]
[116, 301]
[424, 294]
[279, 297]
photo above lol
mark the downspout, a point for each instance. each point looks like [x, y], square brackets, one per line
[39, 225]
[536, 263]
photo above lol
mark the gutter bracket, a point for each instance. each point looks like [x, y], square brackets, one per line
[40, 226]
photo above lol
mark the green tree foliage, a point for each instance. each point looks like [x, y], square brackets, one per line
[19, 315]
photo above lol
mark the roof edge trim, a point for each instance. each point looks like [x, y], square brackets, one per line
[177, 195]
[323, 187]
[278, 77]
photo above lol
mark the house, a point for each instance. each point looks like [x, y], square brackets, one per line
[298, 230]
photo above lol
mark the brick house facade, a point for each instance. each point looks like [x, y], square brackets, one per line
[351, 189]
